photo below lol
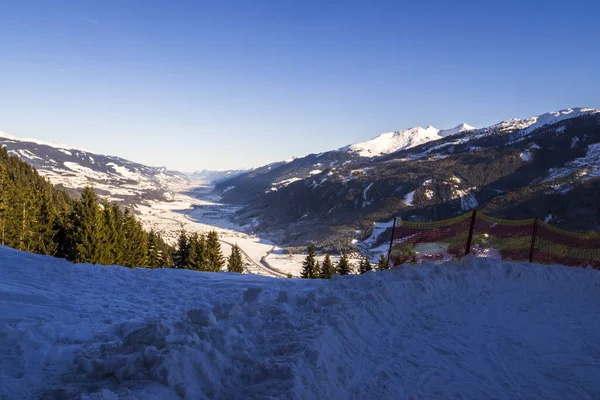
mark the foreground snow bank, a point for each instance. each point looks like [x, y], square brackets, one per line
[475, 329]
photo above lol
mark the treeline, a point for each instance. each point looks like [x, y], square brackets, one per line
[312, 269]
[38, 218]
[203, 253]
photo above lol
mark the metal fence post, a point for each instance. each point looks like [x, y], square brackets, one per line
[391, 242]
[533, 235]
[470, 238]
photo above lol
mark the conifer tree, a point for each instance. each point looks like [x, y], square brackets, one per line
[383, 263]
[193, 261]
[119, 240]
[364, 266]
[181, 255]
[214, 257]
[343, 266]
[37, 217]
[309, 270]
[86, 222]
[327, 268]
[108, 235]
[45, 231]
[136, 244]
[235, 262]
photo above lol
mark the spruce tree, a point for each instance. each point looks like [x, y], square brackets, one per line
[86, 222]
[327, 268]
[309, 270]
[193, 256]
[364, 266]
[119, 240]
[37, 217]
[214, 257]
[136, 244]
[235, 262]
[181, 255]
[108, 235]
[343, 266]
[383, 264]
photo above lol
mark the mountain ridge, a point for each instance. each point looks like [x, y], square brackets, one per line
[517, 168]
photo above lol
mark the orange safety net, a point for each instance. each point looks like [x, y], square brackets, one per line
[485, 236]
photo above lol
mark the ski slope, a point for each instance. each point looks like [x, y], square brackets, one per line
[476, 329]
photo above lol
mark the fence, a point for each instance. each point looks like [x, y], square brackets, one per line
[484, 236]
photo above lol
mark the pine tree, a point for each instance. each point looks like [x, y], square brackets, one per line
[181, 255]
[309, 270]
[214, 257]
[86, 222]
[364, 266]
[46, 228]
[193, 261]
[235, 262]
[383, 264]
[136, 242]
[37, 217]
[343, 266]
[327, 268]
[108, 235]
[118, 220]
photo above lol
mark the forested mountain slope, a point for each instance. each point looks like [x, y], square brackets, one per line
[546, 166]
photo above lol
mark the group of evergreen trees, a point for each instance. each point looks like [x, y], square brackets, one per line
[312, 269]
[37, 217]
[101, 233]
[203, 253]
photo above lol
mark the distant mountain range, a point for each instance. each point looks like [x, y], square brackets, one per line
[207, 176]
[546, 166]
[114, 177]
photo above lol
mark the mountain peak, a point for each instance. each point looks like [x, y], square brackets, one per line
[391, 142]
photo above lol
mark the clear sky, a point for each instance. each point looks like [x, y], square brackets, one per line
[227, 84]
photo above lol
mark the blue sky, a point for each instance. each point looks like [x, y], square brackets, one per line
[228, 84]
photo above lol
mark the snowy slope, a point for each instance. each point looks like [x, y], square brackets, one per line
[113, 177]
[528, 125]
[478, 329]
[209, 176]
[405, 139]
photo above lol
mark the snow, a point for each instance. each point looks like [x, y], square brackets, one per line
[286, 182]
[457, 129]
[391, 142]
[526, 156]
[586, 167]
[61, 147]
[480, 328]
[124, 172]
[528, 125]
[365, 192]
[408, 199]
[468, 202]
[315, 172]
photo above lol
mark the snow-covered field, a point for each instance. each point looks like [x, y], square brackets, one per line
[201, 211]
[476, 329]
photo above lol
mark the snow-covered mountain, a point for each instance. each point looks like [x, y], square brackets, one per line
[212, 176]
[113, 177]
[391, 142]
[517, 168]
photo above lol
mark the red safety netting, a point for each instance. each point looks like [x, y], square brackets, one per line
[485, 236]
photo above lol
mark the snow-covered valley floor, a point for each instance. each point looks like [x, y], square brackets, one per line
[476, 329]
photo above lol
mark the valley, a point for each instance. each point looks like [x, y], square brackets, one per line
[344, 200]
